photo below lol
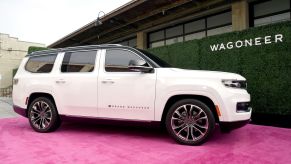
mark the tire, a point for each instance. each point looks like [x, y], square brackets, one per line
[43, 115]
[193, 128]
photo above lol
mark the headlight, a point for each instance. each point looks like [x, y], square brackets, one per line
[242, 84]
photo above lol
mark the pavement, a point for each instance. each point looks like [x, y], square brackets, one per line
[6, 110]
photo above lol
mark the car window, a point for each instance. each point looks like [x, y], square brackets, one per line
[41, 64]
[119, 60]
[83, 61]
[156, 59]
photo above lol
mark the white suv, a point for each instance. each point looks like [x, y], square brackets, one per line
[123, 83]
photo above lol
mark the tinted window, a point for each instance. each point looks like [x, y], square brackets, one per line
[156, 59]
[219, 30]
[157, 44]
[41, 64]
[272, 11]
[159, 35]
[132, 42]
[174, 40]
[79, 61]
[193, 36]
[195, 26]
[119, 60]
[218, 20]
[128, 42]
[174, 31]
[192, 30]
[272, 6]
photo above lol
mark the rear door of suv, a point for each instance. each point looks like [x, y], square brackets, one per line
[76, 83]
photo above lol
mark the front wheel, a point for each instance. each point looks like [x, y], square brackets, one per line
[190, 122]
[43, 116]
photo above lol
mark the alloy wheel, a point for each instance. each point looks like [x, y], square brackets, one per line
[41, 115]
[189, 122]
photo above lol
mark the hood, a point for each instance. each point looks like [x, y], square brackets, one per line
[203, 74]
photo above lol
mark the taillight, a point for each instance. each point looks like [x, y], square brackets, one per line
[15, 81]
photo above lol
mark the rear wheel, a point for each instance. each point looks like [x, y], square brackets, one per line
[190, 122]
[43, 116]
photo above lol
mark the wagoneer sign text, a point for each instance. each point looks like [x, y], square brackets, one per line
[247, 42]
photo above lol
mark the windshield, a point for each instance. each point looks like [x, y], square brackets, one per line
[156, 59]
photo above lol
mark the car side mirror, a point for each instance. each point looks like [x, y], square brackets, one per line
[139, 66]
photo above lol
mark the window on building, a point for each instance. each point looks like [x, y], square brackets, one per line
[197, 35]
[117, 60]
[157, 44]
[41, 64]
[219, 30]
[132, 42]
[219, 24]
[195, 26]
[83, 61]
[128, 42]
[157, 38]
[196, 29]
[174, 34]
[219, 20]
[271, 11]
[174, 40]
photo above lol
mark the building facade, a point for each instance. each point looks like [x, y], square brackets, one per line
[12, 51]
[147, 24]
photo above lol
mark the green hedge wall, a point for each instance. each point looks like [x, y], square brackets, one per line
[32, 49]
[266, 67]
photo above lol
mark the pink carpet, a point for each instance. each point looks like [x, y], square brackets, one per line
[87, 143]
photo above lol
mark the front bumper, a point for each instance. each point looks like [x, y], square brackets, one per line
[235, 105]
[20, 111]
[228, 126]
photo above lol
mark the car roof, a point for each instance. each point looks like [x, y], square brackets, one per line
[77, 48]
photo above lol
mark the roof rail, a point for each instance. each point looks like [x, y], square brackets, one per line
[111, 45]
[49, 51]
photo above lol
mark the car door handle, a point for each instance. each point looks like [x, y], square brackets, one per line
[108, 81]
[61, 81]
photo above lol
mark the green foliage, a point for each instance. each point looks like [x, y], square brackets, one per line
[267, 67]
[180, 55]
[33, 49]
[14, 72]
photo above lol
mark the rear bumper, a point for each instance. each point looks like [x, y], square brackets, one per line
[228, 126]
[20, 111]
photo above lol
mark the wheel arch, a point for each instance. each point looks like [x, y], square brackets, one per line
[35, 95]
[201, 98]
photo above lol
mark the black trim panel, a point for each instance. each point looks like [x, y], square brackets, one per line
[228, 126]
[20, 111]
[113, 121]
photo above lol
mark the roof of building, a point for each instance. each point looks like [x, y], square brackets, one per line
[12, 37]
[134, 16]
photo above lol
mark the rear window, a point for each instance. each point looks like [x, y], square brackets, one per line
[83, 61]
[41, 64]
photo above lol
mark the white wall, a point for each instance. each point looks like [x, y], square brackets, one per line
[12, 51]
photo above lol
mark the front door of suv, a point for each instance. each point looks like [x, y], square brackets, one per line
[76, 83]
[123, 93]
